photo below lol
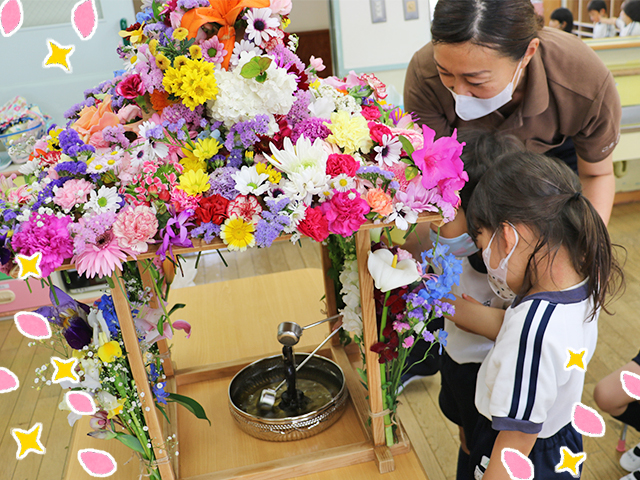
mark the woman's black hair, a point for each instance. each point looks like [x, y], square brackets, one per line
[563, 15]
[543, 194]
[482, 149]
[632, 9]
[504, 26]
[597, 5]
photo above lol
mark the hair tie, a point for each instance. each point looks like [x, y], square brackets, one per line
[576, 196]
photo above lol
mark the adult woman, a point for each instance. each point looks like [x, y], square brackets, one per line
[490, 65]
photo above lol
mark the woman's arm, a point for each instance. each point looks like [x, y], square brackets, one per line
[473, 316]
[523, 442]
[598, 184]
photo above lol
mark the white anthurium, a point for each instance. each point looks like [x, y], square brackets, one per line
[388, 273]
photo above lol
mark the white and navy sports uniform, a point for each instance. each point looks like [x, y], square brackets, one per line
[603, 30]
[524, 385]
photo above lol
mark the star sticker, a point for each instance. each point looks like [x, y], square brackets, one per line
[576, 359]
[28, 441]
[570, 462]
[29, 266]
[64, 370]
[58, 56]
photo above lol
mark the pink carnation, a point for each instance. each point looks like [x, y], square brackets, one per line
[345, 212]
[131, 87]
[183, 201]
[134, 227]
[72, 193]
[246, 207]
[378, 130]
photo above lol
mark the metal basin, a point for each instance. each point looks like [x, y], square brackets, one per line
[321, 379]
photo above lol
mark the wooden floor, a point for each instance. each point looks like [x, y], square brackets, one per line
[433, 437]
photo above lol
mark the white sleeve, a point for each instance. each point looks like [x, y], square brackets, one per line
[524, 369]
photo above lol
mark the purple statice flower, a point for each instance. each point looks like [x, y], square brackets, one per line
[247, 132]
[115, 136]
[312, 128]
[71, 143]
[178, 111]
[428, 336]
[235, 158]
[175, 233]
[77, 108]
[208, 231]
[89, 229]
[45, 195]
[189, 4]
[156, 30]
[372, 169]
[300, 109]
[117, 102]
[47, 235]
[71, 168]
[222, 183]
[273, 221]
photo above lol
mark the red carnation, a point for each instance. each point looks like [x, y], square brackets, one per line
[314, 225]
[131, 87]
[212, 209]
[338, 164]
[377, 130]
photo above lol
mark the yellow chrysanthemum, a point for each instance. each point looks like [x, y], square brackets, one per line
[153, 47]
[162, 62]
[274, 175]
[109, 351]
[351, 133]
[194, 183]
[195, 51]
[172, 80]
[180, 34]
[198, 83]
[206, 148]
[179, 62]
[237, 233]
[191, 163]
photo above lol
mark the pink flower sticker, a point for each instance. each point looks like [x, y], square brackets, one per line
[97, 463]
[587, 421]
[8, 381]
[80, 403]
[518, 466]
[84, 19]
[32, 325]
[631, 384]
[11, 16]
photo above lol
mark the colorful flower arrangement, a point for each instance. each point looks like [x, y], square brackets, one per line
[92, 336]
[203, 136]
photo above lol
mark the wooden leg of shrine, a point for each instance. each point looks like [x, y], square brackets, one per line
[147, 282]
[139, 372]
[329, 290]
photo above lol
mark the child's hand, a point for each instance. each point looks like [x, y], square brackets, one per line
[470, 299]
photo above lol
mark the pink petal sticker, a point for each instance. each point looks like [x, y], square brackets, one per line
[8, 381]
[518, 466]
[97, 463]
[11, 16]
[631, 384]
[32, 325]
[81, 403]
[587, 421]
[84, 19]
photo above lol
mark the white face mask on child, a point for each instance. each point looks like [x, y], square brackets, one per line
[497, 277]
[471, 108]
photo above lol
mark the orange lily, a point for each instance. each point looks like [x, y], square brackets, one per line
[223, 12]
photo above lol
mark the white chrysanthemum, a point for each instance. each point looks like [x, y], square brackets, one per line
[249, 181]
[296, 211]
[104, 200]
[352, 313]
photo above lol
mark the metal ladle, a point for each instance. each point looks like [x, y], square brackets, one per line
[289, 333]
[268, 395]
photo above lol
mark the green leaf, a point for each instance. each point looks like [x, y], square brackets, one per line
[161, 408]
[256, 67]
[407, 160]
[411, 172]
[406, 145]
[130, 442]
[156, 9]
[110, 282]
[262, 77]
[161, 324]
[363, 376]
[176, 307]
[190, 404]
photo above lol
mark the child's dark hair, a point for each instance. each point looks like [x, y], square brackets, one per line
[545, 195]
[563, 15]
[597, 5]
[632, 9]
[483, 148]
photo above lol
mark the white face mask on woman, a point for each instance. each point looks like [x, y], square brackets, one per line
[471, 108]
[497, 277]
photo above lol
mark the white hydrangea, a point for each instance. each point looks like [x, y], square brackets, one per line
[352, 313]
[245, 98]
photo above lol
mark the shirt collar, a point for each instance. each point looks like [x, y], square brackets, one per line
[536, 98]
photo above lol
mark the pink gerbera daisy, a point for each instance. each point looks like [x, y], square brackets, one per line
[213, 50]
[245, 207]
[101, 258]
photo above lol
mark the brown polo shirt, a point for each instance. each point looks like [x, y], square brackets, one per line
[569, 93]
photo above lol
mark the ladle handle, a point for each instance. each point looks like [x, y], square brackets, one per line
[322, 321]
[311, 354]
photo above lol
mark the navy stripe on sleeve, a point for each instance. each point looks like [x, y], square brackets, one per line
[522, 350]
[535, 363]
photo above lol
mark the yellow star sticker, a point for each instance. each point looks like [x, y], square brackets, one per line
[576, 359]
[29, 266]
[58, 56]
[64, 370]
[28, 441]
[570, 462]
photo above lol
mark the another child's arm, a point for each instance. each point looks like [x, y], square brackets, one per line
[477, 318]
[523, 442]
